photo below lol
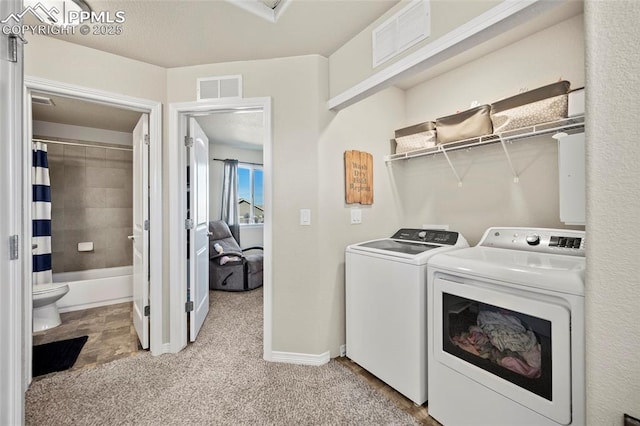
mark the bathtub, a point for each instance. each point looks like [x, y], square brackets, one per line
[95, 287]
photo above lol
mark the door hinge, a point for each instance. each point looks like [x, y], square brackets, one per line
[13, 48]
[13, 40]
[188, 307]
[188, 141]
[147, 310]
[14, 241]
[146, 139]
[188, 224]
[146, 225]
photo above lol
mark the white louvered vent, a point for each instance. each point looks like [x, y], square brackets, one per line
[407, 27]
[226, 86]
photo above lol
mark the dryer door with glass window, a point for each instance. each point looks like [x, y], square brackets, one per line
[512, 341]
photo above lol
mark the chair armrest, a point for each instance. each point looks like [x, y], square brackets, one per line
[226, 253]
[252, 248]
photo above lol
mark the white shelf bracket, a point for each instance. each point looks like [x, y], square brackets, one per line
[453, 169]
[516, 179]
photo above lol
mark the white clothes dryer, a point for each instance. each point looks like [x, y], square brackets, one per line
[386, 305]
[506, 330]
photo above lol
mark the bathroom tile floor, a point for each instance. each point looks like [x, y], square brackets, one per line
[110, 330]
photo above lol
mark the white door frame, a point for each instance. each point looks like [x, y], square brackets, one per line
[177, 211]
[13, 384]
[154, 109]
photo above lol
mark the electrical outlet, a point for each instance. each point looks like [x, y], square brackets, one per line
[343, 350]
[356, 216]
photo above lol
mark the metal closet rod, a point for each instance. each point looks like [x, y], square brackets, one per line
[117, 148]
[244, 162]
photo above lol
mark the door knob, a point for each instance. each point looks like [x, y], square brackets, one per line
[209, 233]
[131, 237]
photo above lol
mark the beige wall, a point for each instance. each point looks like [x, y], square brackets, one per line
[57, 60]
[353, 62]
[294, 85]
[542, 58]
[613, 212]
[426, 188]
[364, 127]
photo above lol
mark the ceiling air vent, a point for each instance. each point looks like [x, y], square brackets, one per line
[270, 10]
[226, 86]
[408, 26]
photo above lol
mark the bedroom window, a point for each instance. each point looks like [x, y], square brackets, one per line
[250, 194]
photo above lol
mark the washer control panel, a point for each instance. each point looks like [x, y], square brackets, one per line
[541, 240]
[426, 236]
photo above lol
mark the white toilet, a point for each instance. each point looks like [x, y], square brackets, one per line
[45, 310]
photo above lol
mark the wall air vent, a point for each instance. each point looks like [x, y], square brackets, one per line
[42, 100]
[408, 26]
[226, 86]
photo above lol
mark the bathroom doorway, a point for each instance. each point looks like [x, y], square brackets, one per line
[88, 139]
[89, 155]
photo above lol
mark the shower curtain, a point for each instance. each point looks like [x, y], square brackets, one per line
[41, 215]
[230, 197]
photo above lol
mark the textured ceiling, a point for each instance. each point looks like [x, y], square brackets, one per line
[175, 33]
[240, 129]
[87, 114]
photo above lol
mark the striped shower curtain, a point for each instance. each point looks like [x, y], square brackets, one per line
[41, 215]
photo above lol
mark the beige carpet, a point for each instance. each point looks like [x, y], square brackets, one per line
[221, 379]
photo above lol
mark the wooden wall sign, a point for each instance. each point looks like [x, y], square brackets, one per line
[358, 172]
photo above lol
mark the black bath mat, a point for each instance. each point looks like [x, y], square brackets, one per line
[56, 356]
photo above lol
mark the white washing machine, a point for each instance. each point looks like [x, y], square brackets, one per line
[506, 330]
[386, 305]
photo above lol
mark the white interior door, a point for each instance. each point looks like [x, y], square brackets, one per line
[140, 238]
[198, 294]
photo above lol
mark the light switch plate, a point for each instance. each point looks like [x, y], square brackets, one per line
[305, 217]
[356, 216]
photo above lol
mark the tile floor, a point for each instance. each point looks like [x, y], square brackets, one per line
[110, 330]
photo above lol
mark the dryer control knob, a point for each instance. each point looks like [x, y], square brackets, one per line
[533, 240]
[422, 234]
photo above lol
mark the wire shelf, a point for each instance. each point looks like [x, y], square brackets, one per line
[567, 125]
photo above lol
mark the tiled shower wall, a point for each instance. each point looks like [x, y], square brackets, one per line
[91, 200]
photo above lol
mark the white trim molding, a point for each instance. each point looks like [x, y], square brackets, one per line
[302, 359]
[498, 19]
[14, 374]
[154, 109]
[177, 211]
